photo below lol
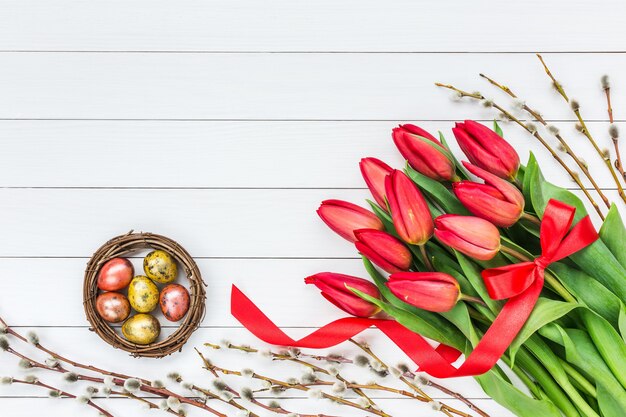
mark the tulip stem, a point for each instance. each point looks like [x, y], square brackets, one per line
[426, 258]
[471, 299]
[531, 218]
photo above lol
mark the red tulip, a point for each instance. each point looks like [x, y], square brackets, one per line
[383, 249]
[335, 289]
[424, 153]
[487, 149]
[496, 200]
[410, 213]
[374, 172]
[470, 235]
[432, 291]
[344, 218]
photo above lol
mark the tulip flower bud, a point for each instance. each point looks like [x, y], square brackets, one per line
[383, 249]
[409, 211]
[486, 149]
[335, 289]
[496, 200]
[344, 218]
[472, 236]
[432, 291]
[374, 172]
[424, 153]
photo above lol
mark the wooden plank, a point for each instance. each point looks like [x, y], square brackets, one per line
[209, 223]
[283, 25]
[261, 279]
[229, 154]
[291, 86]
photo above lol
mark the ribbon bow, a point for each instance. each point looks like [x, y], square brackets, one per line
[521, 283]
[556, 244]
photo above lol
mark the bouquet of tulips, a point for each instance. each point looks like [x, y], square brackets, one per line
[433, 229]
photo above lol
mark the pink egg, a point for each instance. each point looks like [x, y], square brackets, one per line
[174, 302]
[115, 274]
[113, 307]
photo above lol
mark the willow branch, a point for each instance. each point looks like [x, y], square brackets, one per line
[537, 116]
[62, 393]
[297, 386]
[604, 154]
[555, 155]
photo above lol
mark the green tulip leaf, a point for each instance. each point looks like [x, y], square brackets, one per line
[472, 273]
[383, 216]
[589, 291]
[581, 352]
[545, 311]
[541, 191]
[497, 128]
[622, 322]
[437, 191]
[609, 405]
[608, 342]
[507, 395]
[613, 234]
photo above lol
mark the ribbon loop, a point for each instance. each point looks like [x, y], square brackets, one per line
[520, 283]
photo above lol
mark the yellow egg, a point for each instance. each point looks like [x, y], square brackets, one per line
[143, 294]
[141, 329]
[160, 266]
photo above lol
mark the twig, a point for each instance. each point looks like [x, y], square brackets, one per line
[507, 114]
[612, 128]
[290, 358]
[444, 407]
[604, 154]
[62, 393]
[298, 386]
[581, 164]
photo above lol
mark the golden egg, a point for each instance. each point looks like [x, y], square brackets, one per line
[160, 266]
[143, 294]
[141, 329]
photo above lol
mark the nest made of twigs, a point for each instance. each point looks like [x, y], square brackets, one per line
[122, 246]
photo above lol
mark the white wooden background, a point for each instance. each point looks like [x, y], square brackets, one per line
[223, 124]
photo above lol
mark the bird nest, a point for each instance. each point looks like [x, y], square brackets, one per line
[124, 246]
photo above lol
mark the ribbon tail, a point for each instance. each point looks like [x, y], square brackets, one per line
[252, 318]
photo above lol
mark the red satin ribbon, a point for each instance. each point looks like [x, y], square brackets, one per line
[521, 283]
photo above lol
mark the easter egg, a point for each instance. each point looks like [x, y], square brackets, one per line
[113, 307]
[115, 274]
[174, 302]
[160, 267]
[141, 329]
[143, 294]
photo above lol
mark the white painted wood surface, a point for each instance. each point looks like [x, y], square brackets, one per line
[223, 124]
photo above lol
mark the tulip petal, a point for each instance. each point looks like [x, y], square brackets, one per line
[344, 218]
[509, 191]
[409, 211]
[374, 172]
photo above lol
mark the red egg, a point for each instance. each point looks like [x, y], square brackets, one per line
[115, 274]
[174, 302]
[113, 306]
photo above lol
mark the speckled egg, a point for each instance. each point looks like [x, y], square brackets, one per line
[174, 302]
[143, 294]
[141, 329]
[115, 274]
[160, 266]
[113, 307]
